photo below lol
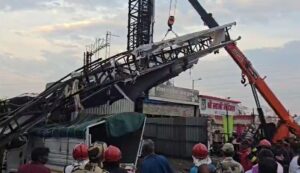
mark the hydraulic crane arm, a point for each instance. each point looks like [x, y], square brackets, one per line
[252, 75]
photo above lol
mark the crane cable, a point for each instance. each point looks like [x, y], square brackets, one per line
[170, 8]
[171, 19]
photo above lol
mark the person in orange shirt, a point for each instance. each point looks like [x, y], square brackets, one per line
[39, 157]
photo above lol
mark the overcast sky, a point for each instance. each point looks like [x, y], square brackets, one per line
[42, 40]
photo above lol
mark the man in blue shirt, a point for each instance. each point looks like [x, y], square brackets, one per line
[153, 163]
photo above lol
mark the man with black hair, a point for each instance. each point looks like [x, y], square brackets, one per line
[39, 157]
[282, 155]
[265, 153]
[267, 165]
[153, 163]
[294, 166]
[228, 165]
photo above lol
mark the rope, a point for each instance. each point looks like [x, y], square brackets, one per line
[170, 7]
[175, 6]
[176, 35]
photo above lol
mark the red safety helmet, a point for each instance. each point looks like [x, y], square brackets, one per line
[200, 151]
[80, 152]
[112, 154]
[265, 143]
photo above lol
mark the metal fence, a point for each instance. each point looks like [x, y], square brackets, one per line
[119, 106]
[176, 136]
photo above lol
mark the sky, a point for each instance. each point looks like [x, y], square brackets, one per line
[42, 40]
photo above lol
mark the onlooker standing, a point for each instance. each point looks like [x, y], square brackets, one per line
[80, 155]
[39, 157]
[267, 165]
[265, 153]
[200, 157]
[96, 156]
[153, 163]
[245, 151]
[282, 156]
[228, 165]
[112, 157]
[295, 165]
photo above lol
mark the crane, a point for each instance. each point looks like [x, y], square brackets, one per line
[256, 82]
[130, 73]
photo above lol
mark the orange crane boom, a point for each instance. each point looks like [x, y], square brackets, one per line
[288, 123]
[254, 78]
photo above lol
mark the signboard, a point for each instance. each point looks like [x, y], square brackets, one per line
[168, 110]
[217, 106]
[174, 94]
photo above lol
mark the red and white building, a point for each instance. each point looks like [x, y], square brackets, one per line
[215, 108]
[210, 105]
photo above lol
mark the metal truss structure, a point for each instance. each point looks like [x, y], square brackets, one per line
[92, 50]
[140, 23]
[125, 75]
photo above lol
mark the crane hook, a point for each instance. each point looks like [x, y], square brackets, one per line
[171, 21]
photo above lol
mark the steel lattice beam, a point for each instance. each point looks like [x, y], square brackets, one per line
[124, 75]
[140, 23]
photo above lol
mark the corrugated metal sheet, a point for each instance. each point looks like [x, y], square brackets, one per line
[176, 136]
[119, 106]
[196, 131]
[60, 149]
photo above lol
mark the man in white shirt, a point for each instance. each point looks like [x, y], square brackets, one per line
[294, 165]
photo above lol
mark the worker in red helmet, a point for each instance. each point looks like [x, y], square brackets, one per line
[112, 157]
[264, 143]
[80, 156]
[200, 157]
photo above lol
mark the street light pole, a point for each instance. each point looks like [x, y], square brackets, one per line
[193, 82]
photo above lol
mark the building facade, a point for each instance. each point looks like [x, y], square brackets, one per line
[225, 116]
[210, 105]
[167, 100]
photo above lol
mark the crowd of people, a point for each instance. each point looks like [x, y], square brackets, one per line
[97, 158]
[245, 157]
